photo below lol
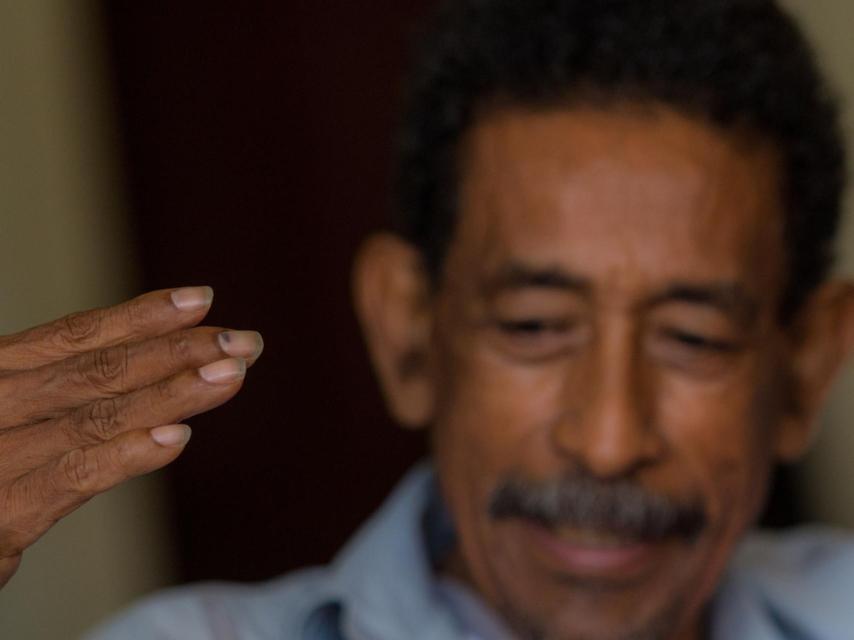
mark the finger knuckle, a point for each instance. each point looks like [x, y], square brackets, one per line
[105, 370]
[112, 364]
[79, 471]
[180, 347]
[166, 391]
[78, 328]
[102, 419]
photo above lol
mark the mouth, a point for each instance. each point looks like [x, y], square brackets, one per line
[582, 529]
[592, 538]
[593, 554]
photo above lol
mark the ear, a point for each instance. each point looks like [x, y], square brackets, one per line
[822, 340]
[392, 297]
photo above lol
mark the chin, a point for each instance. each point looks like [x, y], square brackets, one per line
[583, 618]
[549, 589]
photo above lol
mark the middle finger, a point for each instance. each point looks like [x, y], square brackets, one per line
[54, 389]
[169, 401]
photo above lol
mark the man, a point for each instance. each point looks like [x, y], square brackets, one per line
[607, 297]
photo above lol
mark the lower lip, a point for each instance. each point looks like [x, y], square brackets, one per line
[621, 561]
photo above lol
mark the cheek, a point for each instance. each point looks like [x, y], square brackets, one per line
[719, 438]
[492, 420]
[721, 434]
[499, 414]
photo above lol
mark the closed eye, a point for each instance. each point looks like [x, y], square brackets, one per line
[532, 326]
[537, 339]
[701, 342]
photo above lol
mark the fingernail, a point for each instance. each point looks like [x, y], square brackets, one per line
[173, 435]
[224, 371]
[241, 344]
[192, 298]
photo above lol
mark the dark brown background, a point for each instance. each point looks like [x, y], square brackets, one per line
[257, 143]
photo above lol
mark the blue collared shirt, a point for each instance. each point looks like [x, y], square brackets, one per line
[382, 586]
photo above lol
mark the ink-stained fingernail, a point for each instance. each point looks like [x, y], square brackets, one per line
[224, 371]
[172, 435]
[192, 298]
[241, 344]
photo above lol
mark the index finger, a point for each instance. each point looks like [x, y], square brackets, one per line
[149, 315]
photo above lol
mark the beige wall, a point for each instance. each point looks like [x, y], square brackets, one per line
[63, 247]
[830, 467]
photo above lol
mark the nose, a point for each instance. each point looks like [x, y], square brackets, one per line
[609, 425]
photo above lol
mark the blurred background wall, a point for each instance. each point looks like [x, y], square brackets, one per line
[244, 146]
[829, 470]
[63, 246]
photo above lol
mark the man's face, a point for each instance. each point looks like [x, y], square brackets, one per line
[607, 318]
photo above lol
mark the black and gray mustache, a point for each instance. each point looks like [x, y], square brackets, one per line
[581, 500]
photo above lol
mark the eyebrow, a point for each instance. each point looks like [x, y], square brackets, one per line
[516, 275]
[728, 297]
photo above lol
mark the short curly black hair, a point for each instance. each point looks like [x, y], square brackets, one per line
[733, 63]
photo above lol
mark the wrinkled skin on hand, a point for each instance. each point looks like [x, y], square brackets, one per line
[96, 398]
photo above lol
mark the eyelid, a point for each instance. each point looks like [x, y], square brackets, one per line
[526, 324]
[701, 341]
[538, 339]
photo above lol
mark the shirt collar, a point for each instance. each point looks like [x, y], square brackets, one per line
[383, 584]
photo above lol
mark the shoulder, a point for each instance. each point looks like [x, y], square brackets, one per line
[793, 584]
[222, 611]
[381, 579]
[818, 556]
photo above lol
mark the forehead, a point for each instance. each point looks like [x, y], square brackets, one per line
[626, 196]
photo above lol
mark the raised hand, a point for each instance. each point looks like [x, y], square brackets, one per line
[96, 398]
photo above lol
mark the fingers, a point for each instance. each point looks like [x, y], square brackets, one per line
[173, 400]
[34, 502]
[84, 400]
[152, 314]
[53, 389]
